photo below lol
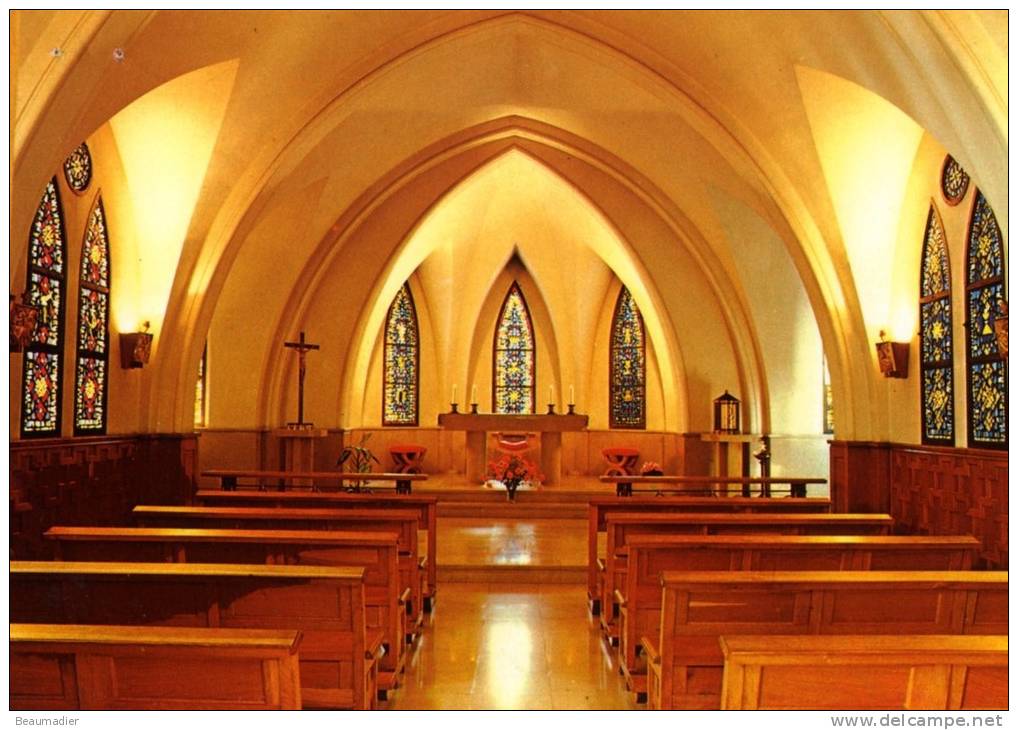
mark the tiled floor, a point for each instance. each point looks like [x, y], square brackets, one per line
[511, 646]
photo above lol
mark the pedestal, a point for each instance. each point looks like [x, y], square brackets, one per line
[297, 449]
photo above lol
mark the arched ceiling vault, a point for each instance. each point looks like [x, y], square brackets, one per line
[669, 102]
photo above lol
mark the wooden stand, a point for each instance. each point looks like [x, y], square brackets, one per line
[297, 449]
[719, 462]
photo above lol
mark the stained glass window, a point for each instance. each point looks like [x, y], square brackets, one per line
[90, 383]
[41, 378]
[986, 369]
[199, 388]
[514, 356]
[936, 355]
[954, 181]
[78, 168]
[828, 399]
[628, 367]
[401, 361]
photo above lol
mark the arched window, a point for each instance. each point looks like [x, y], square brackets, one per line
[628, 365]
[41, 378]
[90, 391]
[401, 362]
[936, 353]
[514, 356]
[986, 369]
[200, 389]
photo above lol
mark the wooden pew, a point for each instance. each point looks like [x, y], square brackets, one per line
[651, 555]
[426, 507]
[600, 507]
[865, 673]
[403, 522]
[338, 656]
[152, 668]
[684, 658]
[376, 552]
[710, 485]
[619, 526]
[228, 479]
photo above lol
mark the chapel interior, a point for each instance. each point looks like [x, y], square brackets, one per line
[524, 266]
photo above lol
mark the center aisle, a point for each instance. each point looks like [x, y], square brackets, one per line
[511, 647]
[517, 643]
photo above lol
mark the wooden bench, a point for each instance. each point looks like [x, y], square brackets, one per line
[426, 507]
[229, 479]
[651, 555]
[376, 552]
[152, 668]
[865, 673]
[338, 656]
[626, 484]
[599, 507]
[403, 522]
[684, 658]
[620, 526]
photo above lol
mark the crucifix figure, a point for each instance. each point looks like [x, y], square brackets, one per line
[301, 347]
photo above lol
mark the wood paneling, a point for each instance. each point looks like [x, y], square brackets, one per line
[93, 481]
[929, 490]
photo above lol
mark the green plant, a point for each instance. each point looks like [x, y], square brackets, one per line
[359, 458]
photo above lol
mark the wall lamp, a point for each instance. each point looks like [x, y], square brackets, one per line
[892, 357]
[135, 348]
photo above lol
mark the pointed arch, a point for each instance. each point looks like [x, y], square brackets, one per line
[936, 354]
[42, 380]
[985, 369]
[92, 366]
[627, 396]
[514, 356]
[401, 362]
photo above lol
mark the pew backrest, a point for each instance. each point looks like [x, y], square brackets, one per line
[325, 603]
[865, 673]
[74, 667]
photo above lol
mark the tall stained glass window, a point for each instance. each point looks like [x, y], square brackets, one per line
[401, 362]
[935, 350]
[986, 369]
[200, 392]
[514, 356]
[90, 393]
[628, 392]
[828, 398]
[41, 378]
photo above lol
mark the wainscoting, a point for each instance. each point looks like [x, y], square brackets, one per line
[929, 490]
[93, 481]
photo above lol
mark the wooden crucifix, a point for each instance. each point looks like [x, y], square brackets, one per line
[301, 347]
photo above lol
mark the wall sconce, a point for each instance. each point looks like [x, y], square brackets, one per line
[135, 348]
[726, 414]
[1000, 327]
[892, 357]
[24, 317]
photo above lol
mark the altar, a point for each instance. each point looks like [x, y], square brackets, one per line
[549, 425]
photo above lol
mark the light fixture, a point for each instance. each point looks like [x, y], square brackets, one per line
[892, 357]
[24, 317]
[726, 414]
[135, 348]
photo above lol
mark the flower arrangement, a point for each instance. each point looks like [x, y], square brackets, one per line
[357, 459]
[512, 470]
[651, 469]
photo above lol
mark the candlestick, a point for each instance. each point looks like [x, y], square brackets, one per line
[551, 409]
[473, 408]
[571, 407]
[454, 408]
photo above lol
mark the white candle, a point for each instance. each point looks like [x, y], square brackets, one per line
[572, 395]
[473, 393]
[551, 393]
[453, 393]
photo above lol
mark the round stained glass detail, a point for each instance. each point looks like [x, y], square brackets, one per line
[78, 168]
[954, 181]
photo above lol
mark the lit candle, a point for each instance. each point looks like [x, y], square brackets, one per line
[473, 393]
[551, 393]
[572, 395]
[453, 393]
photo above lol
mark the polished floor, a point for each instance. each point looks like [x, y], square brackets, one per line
[512, 645]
